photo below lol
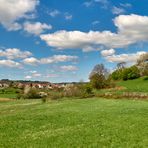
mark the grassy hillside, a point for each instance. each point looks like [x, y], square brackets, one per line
[137, 85]
[74, 123]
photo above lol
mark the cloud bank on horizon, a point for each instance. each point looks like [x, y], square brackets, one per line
[54, 31]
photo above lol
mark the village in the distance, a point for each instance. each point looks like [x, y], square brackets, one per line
[6, 83]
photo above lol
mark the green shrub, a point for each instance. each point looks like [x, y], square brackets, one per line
[117, 75]
[31, 94]
[73, 91]
[88, 89]
[80, 91]
[130, 73]
[145, 78]
[98, 81]
[126, 73]
[53, 95]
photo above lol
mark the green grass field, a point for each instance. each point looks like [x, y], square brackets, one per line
[74, 123]
[11, 95]
[137, 85]
[8, 93]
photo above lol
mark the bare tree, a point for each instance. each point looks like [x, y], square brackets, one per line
[98, 77]
[99, 69]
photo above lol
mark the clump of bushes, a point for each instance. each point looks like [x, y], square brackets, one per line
[99, 77]
[145, 78]
[79, 90]
[116, 75]
[30, 94]
[126, 74]
[98, 81]
[55, 95]
[73, 91]
[131, 73]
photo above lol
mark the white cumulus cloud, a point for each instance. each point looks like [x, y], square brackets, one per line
[107, 52]
[68, 68]
[132, 57]
[82, 40]
[14, 53]
[131, 29]
[50, 60]
[13, 10]
[36, 28]
[58, 58]
[31, 61]
[10, 63]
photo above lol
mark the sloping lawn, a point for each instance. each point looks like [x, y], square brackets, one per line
[74, 123]
[137, 85]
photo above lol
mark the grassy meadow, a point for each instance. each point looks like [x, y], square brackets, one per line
[137, 85]
[8, 93]
[71, 123]
[74, 123]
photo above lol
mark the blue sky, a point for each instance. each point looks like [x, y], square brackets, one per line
[62, 40]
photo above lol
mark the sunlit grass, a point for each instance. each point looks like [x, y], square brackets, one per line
[74, 123]
[137, 85]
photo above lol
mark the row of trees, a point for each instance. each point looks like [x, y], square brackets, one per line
[133, 72]
[100, 77]
[126, 73]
